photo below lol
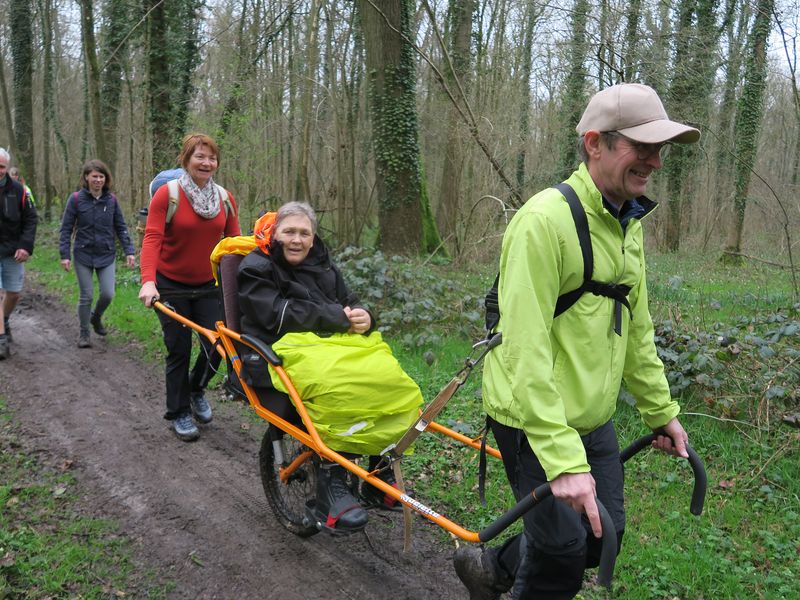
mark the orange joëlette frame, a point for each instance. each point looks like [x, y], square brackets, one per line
[223, 339]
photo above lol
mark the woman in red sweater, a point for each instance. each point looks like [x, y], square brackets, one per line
[175, 267]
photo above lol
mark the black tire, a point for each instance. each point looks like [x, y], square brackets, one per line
[288, 500]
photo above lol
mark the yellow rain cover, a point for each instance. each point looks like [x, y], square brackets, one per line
[356, 393]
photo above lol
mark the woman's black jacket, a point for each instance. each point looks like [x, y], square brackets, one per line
[277, 298]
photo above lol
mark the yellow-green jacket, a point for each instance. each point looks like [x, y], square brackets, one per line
[558, 379]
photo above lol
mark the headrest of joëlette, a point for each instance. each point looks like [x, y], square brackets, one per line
[263, 230]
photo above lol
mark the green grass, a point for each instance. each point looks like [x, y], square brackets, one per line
[746, 543]
[699, 291]
[48, 548]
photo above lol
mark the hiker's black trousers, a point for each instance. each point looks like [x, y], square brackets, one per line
[547, 560]
[199, 304]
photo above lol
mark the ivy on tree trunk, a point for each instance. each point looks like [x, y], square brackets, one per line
[22, 54]
[392, 102]
[749, 113]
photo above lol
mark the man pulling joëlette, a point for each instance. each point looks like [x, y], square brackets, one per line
[550, 389]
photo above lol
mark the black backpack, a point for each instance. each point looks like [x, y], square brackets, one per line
[617, 292]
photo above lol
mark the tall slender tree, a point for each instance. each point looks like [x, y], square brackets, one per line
[573, 98]
[22, 53]
[93, 77]
[458, 74]
[116, 30]
[9, 119]
[749, 114]
[526, 84]
[695, 65]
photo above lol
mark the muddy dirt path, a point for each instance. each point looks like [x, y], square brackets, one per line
[196, 512]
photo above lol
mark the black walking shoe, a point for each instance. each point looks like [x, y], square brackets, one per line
[84, 341]
[372, 497]
[97, 324]
[335, 503]
[479, 575]
[8, 330]
[5, 350]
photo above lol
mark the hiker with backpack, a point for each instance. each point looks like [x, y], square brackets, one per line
[18, 221]
[575, 322]
[17, 176]
[92, 218]
[186, 219]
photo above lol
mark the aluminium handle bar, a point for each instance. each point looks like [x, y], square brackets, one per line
[700, 479]
[608, 554]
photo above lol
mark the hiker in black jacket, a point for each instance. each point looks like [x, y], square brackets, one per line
[17, 233]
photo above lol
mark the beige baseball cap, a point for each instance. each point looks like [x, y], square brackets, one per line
[635, 111]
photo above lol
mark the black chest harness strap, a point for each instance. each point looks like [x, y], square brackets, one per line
[617, 292]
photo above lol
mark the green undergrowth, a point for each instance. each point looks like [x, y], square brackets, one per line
[49, 548]
[729, 338]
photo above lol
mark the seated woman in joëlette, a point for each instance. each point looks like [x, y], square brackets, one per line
[291, 295]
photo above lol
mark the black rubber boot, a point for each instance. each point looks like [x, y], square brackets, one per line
[335, 500]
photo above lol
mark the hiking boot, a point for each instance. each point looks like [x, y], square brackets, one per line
[201, 409]
[97, 324]
[185, 428]
[5, 350]
[8, 330]
[372, 497]
[336, 501]
[480, 576]
[83, 340]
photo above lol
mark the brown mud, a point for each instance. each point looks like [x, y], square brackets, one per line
[195, 512]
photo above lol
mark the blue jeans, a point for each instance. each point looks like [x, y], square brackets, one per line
[106, 277]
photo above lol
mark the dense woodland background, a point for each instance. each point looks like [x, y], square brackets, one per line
[410, 125]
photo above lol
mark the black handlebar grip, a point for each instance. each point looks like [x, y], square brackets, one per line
[700, 478]
[608, 554]
[263, 349]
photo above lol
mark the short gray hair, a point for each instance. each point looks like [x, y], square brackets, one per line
[4, 152]
[605, 136]
[291, 209]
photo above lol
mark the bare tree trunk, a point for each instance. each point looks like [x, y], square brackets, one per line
[531, 17]
[12, 145]
[461, 13]
[114, 48]
[93, 77]
[630, 56]
[307, 107]
[48, 108]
